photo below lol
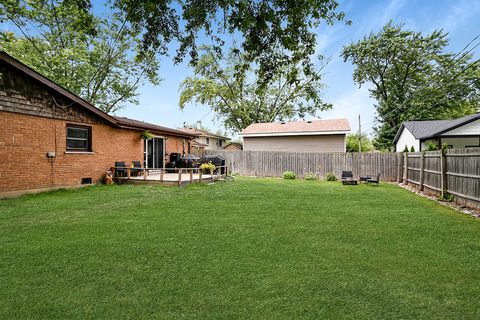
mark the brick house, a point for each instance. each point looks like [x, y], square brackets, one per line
[51, 138]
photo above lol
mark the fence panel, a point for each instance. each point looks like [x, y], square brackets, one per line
[273, 164]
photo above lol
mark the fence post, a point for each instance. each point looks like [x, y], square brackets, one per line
[405, 168]
[399, 167]
[422, 169]
[443, 170]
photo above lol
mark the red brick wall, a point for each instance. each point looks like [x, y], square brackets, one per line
[26, 139]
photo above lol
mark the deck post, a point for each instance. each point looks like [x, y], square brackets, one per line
[161, 175]
[144, 173]
[211, 175]
[180, 177]
[191, 175]
[128, 173]
[200, 175]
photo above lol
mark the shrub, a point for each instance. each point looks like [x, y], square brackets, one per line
[289, 175]
[447, 197]
[207, 167]
[412, 149]
[431, 147]
[310, 176]
[405, 149]
[331, 176]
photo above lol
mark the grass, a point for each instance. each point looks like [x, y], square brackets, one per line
[255, 248]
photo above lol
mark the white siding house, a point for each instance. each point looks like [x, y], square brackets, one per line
[457, 133]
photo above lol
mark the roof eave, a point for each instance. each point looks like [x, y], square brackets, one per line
[302, 133]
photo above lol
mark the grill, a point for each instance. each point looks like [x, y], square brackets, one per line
[217, 160]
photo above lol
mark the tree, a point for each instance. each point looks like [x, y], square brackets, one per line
[260, 25]
[239, 101]
[352, 143]
[91, 56]
[413, 78]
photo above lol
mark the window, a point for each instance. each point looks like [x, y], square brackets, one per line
[208, 140]
[79, 138]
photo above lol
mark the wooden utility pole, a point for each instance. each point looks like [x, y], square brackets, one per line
[359, 135]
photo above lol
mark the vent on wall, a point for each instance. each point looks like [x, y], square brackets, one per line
[309, 121]
[86, 180]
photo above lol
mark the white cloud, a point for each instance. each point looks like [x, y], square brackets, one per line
[391, 11]
[459, 14]
[352, 103]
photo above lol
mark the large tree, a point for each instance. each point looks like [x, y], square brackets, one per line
[94, 57]
[412, 77]
[353, 143]
[240, 101]
[259, 26]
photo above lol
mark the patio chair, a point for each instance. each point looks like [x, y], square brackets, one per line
[374, 179]
[136, 168]
[347, 178]
[120, 169]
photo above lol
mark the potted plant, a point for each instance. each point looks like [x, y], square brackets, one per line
[146, 135]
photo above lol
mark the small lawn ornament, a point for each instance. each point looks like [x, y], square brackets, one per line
[108, 178]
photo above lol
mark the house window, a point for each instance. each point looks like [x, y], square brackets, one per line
[79, 138]
[208, 140]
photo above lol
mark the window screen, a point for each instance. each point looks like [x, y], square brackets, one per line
[78, 138]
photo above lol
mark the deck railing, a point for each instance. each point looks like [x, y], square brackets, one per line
[134, 173]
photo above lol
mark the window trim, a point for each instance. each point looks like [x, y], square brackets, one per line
[89, 138]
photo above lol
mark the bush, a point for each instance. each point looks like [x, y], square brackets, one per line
[331, 176]
[310, 176]
[405, 149]
[289, 175]
[447, 197]
[412, 149]
[431, 147]
[207, 167]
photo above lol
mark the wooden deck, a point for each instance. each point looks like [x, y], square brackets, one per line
[178, 177]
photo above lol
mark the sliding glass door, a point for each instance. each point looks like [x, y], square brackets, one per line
[154, 153]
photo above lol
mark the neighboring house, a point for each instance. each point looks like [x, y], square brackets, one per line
[457, 133]
[51, 138]
[297, 136]
[233, 146]
[205, 140]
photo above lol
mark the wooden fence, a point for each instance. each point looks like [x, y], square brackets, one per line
[456, 171]
[273, 164]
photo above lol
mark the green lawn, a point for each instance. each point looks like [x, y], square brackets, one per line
[254, 248]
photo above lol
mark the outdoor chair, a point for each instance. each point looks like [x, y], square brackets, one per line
[374, 179]
[120, 169]
[347, 178]
[136, 168]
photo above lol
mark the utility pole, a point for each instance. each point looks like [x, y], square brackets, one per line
[359, 135]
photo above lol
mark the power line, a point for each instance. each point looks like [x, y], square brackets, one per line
[440, 80]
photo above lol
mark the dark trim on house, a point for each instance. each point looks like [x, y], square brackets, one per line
[55, 87]
[120, 122]
[477, 117]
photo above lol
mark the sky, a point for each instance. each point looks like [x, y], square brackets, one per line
[460, 18]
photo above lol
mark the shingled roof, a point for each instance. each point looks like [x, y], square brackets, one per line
[137, 124]
[203, 133]
[313, 127]
[424, 129]
[115, 121]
